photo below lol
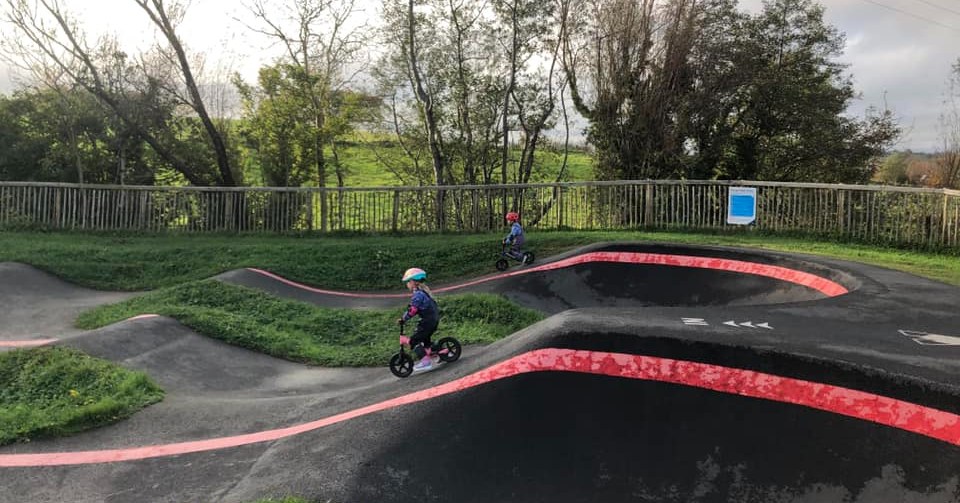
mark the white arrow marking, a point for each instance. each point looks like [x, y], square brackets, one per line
[748, 324]
[928, 339]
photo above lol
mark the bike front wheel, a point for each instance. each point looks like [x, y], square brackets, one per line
[502, 265]
[401, 364]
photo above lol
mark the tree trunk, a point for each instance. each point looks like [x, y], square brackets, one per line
[162, 21]
[426, 101]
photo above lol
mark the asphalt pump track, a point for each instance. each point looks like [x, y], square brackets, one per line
[664, 373]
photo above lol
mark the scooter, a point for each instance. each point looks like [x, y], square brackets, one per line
[445, 350]
[525, 258]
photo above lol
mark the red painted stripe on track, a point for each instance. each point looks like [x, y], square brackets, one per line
[882, 410]
[823, 285]
[326, 292]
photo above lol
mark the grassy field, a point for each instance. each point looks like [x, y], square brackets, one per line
[58, 391]
[365, 169]
[361, 156]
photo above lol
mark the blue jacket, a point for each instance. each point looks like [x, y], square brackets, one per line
[516, 235]
[423, 305]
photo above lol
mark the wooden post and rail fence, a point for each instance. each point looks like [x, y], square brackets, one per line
[925, 218]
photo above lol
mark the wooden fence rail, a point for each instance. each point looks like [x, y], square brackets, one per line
[882, 214]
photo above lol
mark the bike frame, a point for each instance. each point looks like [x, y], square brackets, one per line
[504, 254]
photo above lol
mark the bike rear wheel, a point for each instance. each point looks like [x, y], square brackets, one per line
[401, 364]
[528, 258]
[452, 347]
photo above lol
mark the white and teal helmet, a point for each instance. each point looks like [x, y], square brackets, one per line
[415, 274]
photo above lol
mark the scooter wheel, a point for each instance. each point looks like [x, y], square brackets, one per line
[453, 349]
[527, 258]
[401, 365]
[502, 265]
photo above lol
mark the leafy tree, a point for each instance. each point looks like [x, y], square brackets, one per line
[697, 89]
[321, 50]
[66, 136]
[792, 127]
[462, 78]
[278, 127]
[22, 145]
[629, 72]
[893, 168]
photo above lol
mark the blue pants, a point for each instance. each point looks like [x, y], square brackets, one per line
[514, 251]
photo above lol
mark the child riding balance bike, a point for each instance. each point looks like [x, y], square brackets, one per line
[423, 305]
[513, 244]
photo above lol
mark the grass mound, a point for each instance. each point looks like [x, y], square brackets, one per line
[57, 391]
[302, 332]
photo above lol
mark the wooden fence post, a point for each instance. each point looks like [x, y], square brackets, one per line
[324, 210]
[647, 205]
[396, 211]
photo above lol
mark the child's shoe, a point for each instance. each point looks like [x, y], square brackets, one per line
[423, 365]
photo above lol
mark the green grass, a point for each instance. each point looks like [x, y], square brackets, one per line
[363, 155]
[344, 263]
[359, 158]
[58, 391]
[302, 332]
[134, 262]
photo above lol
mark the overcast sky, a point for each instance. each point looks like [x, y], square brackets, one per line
[899, 51]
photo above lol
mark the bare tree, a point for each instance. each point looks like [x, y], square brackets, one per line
[465, 20]
[631, 56]
[166, 17]
[948, 158]
[50, 40]
[476, 70]
[424, 97]
[536, 103]
[428, 105]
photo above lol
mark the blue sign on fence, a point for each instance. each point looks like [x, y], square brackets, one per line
[742, 205]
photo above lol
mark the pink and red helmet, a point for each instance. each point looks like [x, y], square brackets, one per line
[414, 274]
[512, 216]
